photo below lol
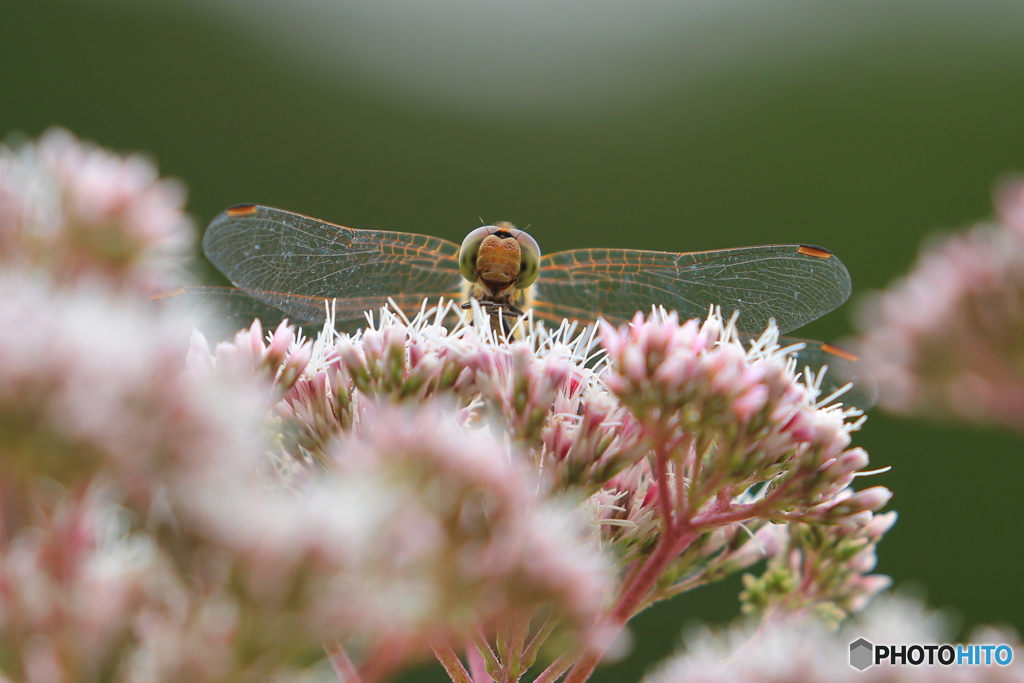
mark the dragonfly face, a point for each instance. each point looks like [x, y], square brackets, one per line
[501, 263]
[295, 265]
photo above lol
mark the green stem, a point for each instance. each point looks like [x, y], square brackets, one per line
[545, 630]
[518, 630]
[491, 662]
[502, 642]
[673, 590]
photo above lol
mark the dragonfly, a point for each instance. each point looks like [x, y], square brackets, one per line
[286, 263]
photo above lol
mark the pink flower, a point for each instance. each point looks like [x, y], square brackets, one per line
[945, 340]
[731, 416]
[91, 382]
[281, 358]
[806, 650]
[79, 211]
[416, 529]
[73, 586]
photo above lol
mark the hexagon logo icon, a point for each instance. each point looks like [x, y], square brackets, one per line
[860, 654]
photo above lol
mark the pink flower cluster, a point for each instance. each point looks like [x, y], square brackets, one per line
[736, 441]
[105, 439]
[72, 585]
[417, 532]
[724, 419]
[801, 650]
[479, 547]
[90, 380]
[733, 440]
[172, 511]
[947, 338]
[79, 211]
[540, 390]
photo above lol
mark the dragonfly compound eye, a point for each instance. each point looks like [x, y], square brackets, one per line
[530, 264]
[470, 249]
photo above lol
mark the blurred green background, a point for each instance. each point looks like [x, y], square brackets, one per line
[861, 131]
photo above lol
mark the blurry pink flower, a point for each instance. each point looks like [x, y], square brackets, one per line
[948, 339]
[79, 211]
[500, 540]
[91, 382]
[804, 650]
[183, 635]
[72, 586]
[415, 531]
[1009, 202]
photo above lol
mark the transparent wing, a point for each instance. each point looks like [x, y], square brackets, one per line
[792, 283]
[219, 312]
[294, 263]
[844, 368]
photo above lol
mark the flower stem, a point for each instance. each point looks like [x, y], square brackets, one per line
[630, 599]
[665, 505]
[450, 661]
[556, 669]
[477, 666]
[673, 590]
[518, 630]
[340, 662]
[383, 662]
[491, 663]
[530, 655]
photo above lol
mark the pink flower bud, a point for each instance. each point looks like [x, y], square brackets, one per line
[634, 365]
[373, 346]
[881, 524]
[750, 403]
[199, 358]
[280, 342]
[872, 498]
[864, 561]
[255, 339]
[610, 339]
[867, 500]
[351, 356]
[294, 366]
[866, 589]
[846, 464]
[799, 425]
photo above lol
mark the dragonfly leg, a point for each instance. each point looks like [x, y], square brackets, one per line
[492, 308]
[499, 313]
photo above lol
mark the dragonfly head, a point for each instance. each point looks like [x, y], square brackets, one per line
[501, 256]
